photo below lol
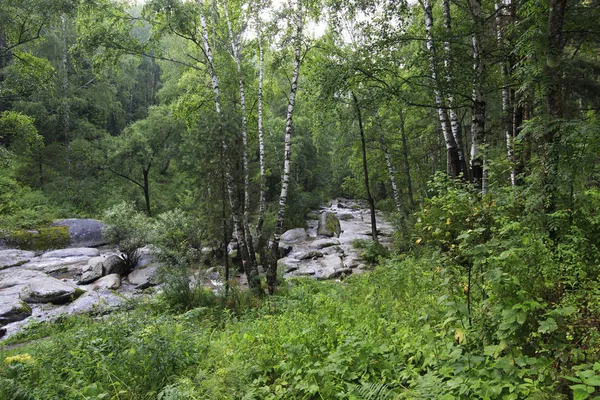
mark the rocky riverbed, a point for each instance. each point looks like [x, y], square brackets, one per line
[40, 286]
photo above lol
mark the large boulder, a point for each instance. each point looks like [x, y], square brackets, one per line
[14, 257]
[294, 235]
[329, 225]
[49, 290]
[92, 271]
[112, 281]
[322, 243]
[114, 265]
[83, 232]
[144, 277]
[12, 310]
[18, 277]
[96, 301]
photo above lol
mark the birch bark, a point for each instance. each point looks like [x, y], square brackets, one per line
[287, 154]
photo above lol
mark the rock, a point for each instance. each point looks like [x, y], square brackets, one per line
[313, 215]
[144, 277]
[351, 262]
[329, 225]
[307, 255]
[304, 272]
[83, 232]
[232, 246]
[212, 274]
[96, 301]
[345, 217]
[14, 257]
[114, 265]
[112, 281]
[72, 252]
[332, 261]
[12, 310]
[92, 271]
[322, 243]
[17, 277]
[329, 273]
[294, 235]
[332, 250]
[51, 265]
[49, 290]
[288, 264]
[2, 332]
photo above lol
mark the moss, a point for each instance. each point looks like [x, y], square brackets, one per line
[332, 224]
[25, 308]
[55, 237]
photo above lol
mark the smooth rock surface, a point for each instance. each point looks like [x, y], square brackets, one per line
[112, 281]
[14, 257]
[329, 225]
[294, 235]
[96, 301]
[83, 232]
[322, 243]
[72, 252]
[48, 290]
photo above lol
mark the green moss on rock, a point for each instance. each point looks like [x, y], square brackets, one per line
[55, 237]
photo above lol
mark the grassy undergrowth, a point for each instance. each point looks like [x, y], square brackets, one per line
[386, 334]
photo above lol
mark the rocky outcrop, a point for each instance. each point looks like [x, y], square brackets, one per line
[322, 243]
[12, 310]
[83, 232]
[98, 301]
[72, 252]
[329, 225]
[14, 257]
[49, 290]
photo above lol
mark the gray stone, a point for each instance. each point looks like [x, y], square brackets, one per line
[72, 252]
[322, 243]
[303, 255]
[329, 225]
[345, 216]
[12, 309]
[144, 277]
[332, 261]
[332, 250]
[330, 273]
[313, 215]
[92, 271]
[294, 235]
[288, 264]
[96, 301]
[18, 276]
[114, 265]
[112, 281]
[305, 272]
[83, 232]
[14, 257]
[49, 290]
[351, 262]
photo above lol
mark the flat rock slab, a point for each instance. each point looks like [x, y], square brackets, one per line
[83, 232]
[331, 261]
[322, 243]
[12, 310]
[96, 301]
[18, 276]
[14, 257]
[144, 277]
[48, 290]
[72, 252]
[48, 265]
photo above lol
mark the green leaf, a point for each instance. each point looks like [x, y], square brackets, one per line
[548, 326]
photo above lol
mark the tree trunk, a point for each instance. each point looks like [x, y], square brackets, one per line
[452, 160]
[65, 102]
[478, 97]
[246, 206]
[147, 190]
[251, 274]
[366, 170]
[454, 121]
[390, 166]
[261, 146]
[287, 155]
[406, 162]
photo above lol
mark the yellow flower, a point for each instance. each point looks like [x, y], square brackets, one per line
[19, 358]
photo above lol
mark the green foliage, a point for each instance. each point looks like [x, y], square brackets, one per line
[129, 229]
[373, 253]
[56, 237]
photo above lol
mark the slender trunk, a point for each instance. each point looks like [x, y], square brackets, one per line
[246, 207]
[261, 146]
[390, 166]
[406, 162]
[478, 97]
[366, 170]
[287, 155]
[556, 19]
[147, 190]
[65, 101]
[252, 274]
[453, 161]
[506, 97]
[454, 121]
[224, 222]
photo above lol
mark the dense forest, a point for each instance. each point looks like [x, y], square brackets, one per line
[198, 127]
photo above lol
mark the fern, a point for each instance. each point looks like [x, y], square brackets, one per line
[371, 391]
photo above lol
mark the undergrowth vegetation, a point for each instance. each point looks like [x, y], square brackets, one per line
[486, 303]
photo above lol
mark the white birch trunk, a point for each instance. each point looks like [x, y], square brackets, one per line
[261, 143]
[287, 155]
[453, 164]
[65, 101]
[390, 166]
[478, 97]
